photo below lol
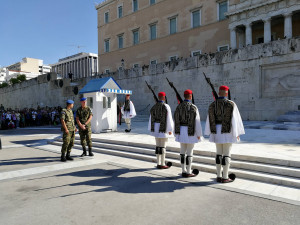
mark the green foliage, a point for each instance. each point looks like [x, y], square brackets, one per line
[14, 81]
[3, 85]
[21, 77]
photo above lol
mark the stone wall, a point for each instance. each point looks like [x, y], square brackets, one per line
[264, 81]
[44, 90]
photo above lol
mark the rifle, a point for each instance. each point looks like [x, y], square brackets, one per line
[179, 99]
[212, 86]
[193, 100]
[154, 95]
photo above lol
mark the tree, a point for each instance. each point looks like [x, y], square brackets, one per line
[14, 81]
[21, 77]
[3, 85]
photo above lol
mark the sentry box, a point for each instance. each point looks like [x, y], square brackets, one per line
[101, 97]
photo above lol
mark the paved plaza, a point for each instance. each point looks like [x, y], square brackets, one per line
[105, 189]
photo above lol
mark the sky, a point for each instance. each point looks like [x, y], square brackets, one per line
[46, 29]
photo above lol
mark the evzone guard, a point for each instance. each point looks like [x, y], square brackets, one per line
[188, 131]
[161, 127]
[224, 125]
[128, 112]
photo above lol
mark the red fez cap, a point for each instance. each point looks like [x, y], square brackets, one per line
[127, 95]
[188, 92]
[161, 94]
[223, 87]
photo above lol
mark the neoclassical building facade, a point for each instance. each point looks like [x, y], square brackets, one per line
[80, 65]
[134, 33]
[261, 21]
[143, 32]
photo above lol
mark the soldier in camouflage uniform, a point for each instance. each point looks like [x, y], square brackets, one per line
[83, 118]
[69, 129]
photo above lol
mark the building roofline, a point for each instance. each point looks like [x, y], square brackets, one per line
[73, 57]
[76, 55]
[103, 3]
[18, 71]
[233, 9]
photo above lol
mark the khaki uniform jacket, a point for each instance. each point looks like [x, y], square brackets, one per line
[67, 116]
[84, 114]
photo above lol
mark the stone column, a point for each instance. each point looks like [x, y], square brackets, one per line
[72, 68]
[97, 65]
[288, 28]
[92, 66]
[233, 38]
[87, 67]
[67, 70]
[249, 34]
[76, 68]
[267, 30]
[83, 66]
[241, 38]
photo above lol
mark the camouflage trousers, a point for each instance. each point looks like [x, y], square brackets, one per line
[68, 142]
[85, 137]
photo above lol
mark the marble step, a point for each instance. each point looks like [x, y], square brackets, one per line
[248, 158]
[174, 154]
[242, 173]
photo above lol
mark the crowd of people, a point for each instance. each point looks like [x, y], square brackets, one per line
[12, 119]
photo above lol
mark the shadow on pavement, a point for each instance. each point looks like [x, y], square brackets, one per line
[31, 143]
[121, 180]
[30, 131]
[24, 161]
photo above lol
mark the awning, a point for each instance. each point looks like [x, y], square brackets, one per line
[108, 90]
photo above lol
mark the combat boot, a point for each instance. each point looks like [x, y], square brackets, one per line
[63, 157]
[68, 157]
[90, 152]
[84, 151]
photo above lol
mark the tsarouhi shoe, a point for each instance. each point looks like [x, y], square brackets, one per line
[219, 179]
[164, 167]
[226, 180]
[190, 175]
